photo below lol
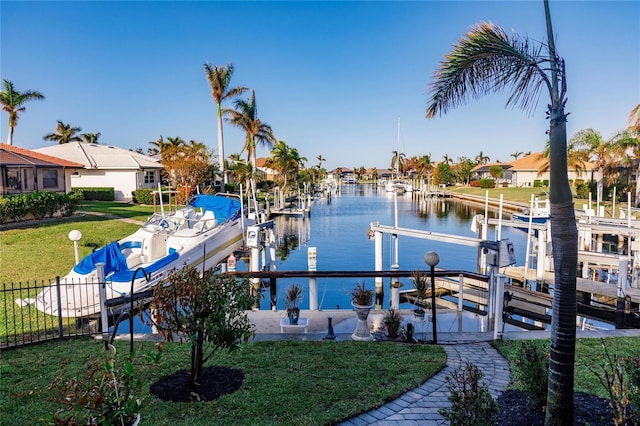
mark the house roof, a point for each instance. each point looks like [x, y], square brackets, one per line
[481, 168]
[534, 161]
[11, 155]
[97, 156]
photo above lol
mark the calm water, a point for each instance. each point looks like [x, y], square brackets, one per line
[338, 230]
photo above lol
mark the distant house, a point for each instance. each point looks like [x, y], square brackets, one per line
[108, 167]
[524, 171]
[483, 171]
[23, 170]
[266, 172]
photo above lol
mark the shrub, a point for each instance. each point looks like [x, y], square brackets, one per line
[582, 190]
[143, 196]
[199, 308]
[471, 402]
[620, 378]
[537, 183]
[70, 203]
[97, 194]
[487, 183]
[42, 204]
[531, 369]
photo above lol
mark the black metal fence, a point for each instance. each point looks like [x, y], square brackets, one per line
[21, 323]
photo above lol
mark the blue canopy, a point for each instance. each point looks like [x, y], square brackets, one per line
[110, 255]
[223, 207]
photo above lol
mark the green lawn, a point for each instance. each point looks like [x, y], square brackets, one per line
[285, 383]
[589, 353]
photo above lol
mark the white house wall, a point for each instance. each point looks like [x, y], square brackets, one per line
[122, 181]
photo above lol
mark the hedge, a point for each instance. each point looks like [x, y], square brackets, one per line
[38, 204]
[97, 193]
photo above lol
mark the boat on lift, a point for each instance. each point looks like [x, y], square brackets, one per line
[202, 234]
[538, 214]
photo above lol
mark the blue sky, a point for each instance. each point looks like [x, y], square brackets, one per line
[331, 78]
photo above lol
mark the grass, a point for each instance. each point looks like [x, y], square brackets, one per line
[120, 209]
[589, 353]
[285, 382]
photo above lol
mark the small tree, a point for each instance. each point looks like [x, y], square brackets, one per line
[208, 309]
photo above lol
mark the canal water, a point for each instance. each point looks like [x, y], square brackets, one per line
[338, 228]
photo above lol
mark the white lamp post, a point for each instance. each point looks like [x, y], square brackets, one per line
[432, 259]
[75, 236]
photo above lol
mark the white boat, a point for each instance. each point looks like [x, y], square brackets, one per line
[202, 234]
[538, 214]
[398, 185]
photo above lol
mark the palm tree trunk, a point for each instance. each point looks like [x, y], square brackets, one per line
[221, 150]
[10, 137]
[564, 236]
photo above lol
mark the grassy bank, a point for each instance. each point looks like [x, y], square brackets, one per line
[589, 354]
[285, 383]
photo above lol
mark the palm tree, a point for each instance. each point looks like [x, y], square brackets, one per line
[396, 161]
[12, 102]
[93, 138]
[219, 80]
[320, 159]
[64, 134]
[245, 116]
[634, 121]
[287, 161]
[481, 158]
[446, 159]
[485, 60]
[517, 154]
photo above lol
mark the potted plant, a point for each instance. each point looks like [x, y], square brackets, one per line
[421, 285]
[292, 298]
[361, 299]
[392, 321]
[106, 393]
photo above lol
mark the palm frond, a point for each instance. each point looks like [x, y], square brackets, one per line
[487, 60]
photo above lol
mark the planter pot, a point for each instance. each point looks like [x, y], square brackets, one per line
[293, 317]
[362, 332]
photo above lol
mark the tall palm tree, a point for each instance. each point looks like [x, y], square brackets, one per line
[64, 134]
[12, 102]
[446, 159]
[320, 159]
[245, 116]
[517, 154]
[92, 138]
[219, 80]
[485, 60]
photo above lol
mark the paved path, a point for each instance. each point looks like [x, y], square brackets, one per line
[420, 406]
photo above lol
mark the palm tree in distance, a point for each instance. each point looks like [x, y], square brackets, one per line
[64, 134]
[517, 154]
[397, 160]
[92, 137]
[12, 102]
[245, 116]
[486, 60]
[446, 159]
[481, 158]
[320, 159]
[219, 80]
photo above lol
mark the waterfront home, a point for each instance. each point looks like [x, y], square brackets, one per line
[23, 171]
[108, 166]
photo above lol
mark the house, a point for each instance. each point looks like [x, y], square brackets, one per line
[265, 172]
[108, 167]
[524, 171]
[483, 171]
[23, 170]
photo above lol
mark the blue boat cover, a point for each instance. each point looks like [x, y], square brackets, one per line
[223, 208]
[127, 275]
[110, 255]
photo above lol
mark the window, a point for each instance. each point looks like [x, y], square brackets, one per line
[20, 178]
[50, 178]
[149, 176]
